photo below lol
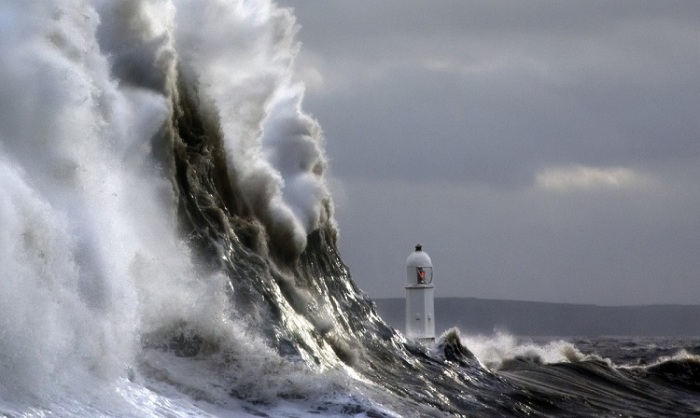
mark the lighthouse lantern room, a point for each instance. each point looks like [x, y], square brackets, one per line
[420, 310]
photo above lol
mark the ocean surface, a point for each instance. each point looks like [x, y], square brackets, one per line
[168, 246]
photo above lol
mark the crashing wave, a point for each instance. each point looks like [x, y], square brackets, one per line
[168, 243]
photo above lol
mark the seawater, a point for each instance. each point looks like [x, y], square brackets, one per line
[168, 246]
[562, 377]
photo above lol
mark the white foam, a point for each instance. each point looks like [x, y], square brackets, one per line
[90, 255]
[243, 55]
[495, 349]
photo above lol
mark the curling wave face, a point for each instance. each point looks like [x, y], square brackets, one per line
[168, 242]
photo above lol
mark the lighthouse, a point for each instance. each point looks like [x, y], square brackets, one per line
[420, 310]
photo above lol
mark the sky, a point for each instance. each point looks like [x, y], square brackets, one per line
[540, 150]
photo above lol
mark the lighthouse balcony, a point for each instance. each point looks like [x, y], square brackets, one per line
[419, 286]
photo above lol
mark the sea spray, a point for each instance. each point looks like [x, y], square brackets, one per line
[60, 269]
[501, 347]
[168, 246]
[271, 144]
[91, 254]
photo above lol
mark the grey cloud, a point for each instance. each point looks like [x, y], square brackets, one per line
[347, 27]
[439, 116]
[623, 249]
[614, 84]
[432, 125]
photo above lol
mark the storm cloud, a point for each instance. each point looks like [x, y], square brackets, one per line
[538, 150]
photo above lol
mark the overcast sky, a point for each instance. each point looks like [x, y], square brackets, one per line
[539, 150]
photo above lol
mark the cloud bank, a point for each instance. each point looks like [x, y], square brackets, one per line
[539, 150]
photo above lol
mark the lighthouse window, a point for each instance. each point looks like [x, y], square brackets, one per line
[425, 275]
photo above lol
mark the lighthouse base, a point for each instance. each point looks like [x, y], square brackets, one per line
[420, 312]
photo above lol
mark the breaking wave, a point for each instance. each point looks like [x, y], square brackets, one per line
[169, 248]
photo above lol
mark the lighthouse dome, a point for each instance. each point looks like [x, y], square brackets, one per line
[418, 258]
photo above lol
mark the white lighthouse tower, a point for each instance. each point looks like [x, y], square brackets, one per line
[420, 310]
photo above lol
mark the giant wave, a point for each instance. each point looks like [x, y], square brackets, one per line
[169, 248]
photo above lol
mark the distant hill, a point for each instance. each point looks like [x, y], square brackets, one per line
[483, 316]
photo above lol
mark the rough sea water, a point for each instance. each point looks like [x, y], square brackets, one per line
[168, 246]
